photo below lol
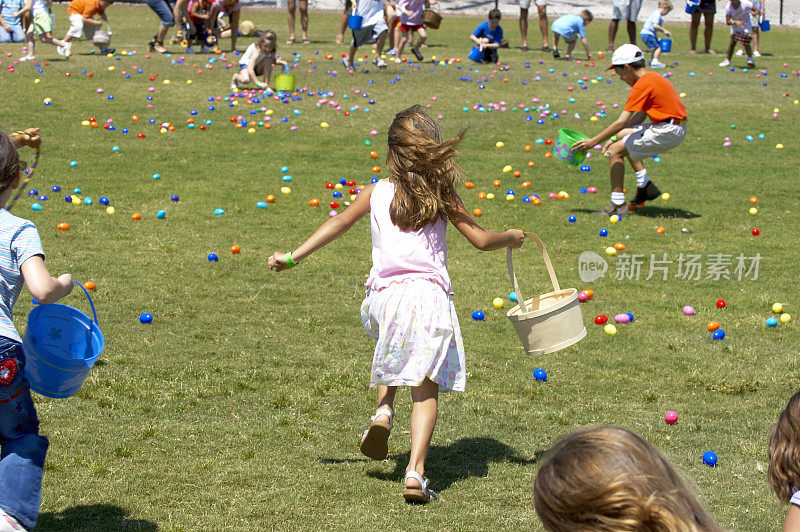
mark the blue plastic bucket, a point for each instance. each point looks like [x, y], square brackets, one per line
[764, 25]
[354, 22]
[61, 344]
[665, 44]
[476, 54]
[691, 6]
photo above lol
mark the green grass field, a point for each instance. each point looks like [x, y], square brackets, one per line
[241, 405]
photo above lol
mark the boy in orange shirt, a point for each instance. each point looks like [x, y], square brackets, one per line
[81, 19]
[651, 95]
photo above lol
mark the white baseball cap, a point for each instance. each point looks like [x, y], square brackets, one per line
[626, 54]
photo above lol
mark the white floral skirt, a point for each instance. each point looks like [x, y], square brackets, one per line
[416, 328]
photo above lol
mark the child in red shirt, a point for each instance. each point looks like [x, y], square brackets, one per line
[651, 95]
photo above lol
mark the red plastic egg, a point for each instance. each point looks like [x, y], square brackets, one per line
[721, 303]
[601, 319]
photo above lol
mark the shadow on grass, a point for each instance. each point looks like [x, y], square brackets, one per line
[468, 457]
[650, 212]
[92, 517]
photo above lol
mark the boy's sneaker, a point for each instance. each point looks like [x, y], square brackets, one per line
[106, 51]
[556, 55]
[725, 63]
[739, 52]
[416, 54]
[751, 63]
[648, 192]
[9, 524]
[657, 64]
[348, 65]
[189, 50]
[60, 50]
[379, 62]
[27, 58]
[612, 208]
[756, 53]
[68, 49]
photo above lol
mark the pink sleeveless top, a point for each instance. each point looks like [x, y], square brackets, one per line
[401, 255]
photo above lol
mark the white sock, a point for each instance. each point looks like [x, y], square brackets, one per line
[618, 198]
[641, 178]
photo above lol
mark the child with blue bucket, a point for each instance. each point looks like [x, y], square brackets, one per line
[21, 261]
[649, 33]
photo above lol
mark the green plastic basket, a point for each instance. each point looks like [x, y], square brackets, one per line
[563, 150]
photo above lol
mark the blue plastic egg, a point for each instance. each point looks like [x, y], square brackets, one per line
[572, 219]
[104, 200]
[217, 212]
[212, 257]
[540, 375]
[144, 317]
[772, 322]
[161, 214]
[478, 315]
[175, 197]
[603, 232]
[710, 457]
[56, 188]
[719, 334]
[261, 205]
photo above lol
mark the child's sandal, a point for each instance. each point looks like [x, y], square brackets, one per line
[421, 495]
[375, 441]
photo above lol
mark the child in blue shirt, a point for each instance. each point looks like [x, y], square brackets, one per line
[649, 33]
[488, 36]
[571, 27]
[21, 261]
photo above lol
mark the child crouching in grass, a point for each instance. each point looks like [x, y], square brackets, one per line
[258, 60]
[784, 461]
[609, 479]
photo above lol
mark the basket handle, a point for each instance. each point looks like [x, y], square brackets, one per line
[91, 303]
[547, 263]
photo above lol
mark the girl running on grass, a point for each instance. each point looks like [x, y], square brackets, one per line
[408, 307]
[784, 461]
[607, 478]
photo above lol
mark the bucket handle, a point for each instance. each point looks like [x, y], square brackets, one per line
[91, 304]
[547, 263]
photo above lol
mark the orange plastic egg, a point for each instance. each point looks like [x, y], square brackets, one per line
[712, 326]
[469, 184]
[517, 173]
[314, 203]
[496, 182]
[376, 169]
[548, 155]
[531, 163]
[89, 285]
[477, 213]
[619, 246]
[373, 154]
[753, 200]
[527, 147]
[136, 216]
[525, 184]
[536, 201]
[235, 249]
[63, 226]
[481, 195]
[270, 199]
[660, 230]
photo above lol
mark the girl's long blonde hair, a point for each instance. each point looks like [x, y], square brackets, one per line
[267, 37]
[784, 451]
[423, 169]
[607, 478]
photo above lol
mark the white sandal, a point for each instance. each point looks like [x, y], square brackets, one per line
[423, 494]
[375, 440]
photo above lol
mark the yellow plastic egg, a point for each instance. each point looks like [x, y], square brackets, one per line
[268, 112]
[753, 211]
[497, 302]
[500, 144]
[777, 308]
[110, 210]
[507, 168]
[324, 125]
[786, 318]
[36, 81]
[682, 95]
[489, 196]
[593, 119]
[111, 68]
[338, 186]
[286, 190]
[251, 130]
[614, 218]
[779, 146]
[188, 82]
[76, 200]
[610, 329]
[85, 123]
[665, 196]
[611, 251]
[166, 82]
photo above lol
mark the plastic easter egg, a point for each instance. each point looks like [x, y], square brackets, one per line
[145, 318]
[36, 207]
[89, 285]
[601, 319]
[603, 232]
[710, 458]
[610, 329]
[719, 334]
[622, 318]
[513, 297]
[110, 210]
[212, 257]
[63, 226]
[218, 212]
[671, 417]
[156, 176]
[614, 218]
[507, 168]
[478, 315]
[161, 214]
[286, 190]
[235, 249]
[753, 211]
[786, 318]
[712, 326]
[540, 375]
[497, 302]
[688, 310]
[611, 251]
[772, 322]
[755, 231]
[665, 196]
[261, 205]
[572, 219]
[583, 297]
[73, 164]
[721, 303]
[500, 144]
[136, 216]
[777, 308]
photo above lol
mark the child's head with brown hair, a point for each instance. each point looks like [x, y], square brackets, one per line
[423, 169]
[587, 16]
[784, 451]
[268, 42]
[9, 162]
[606, 478]
[665, 6]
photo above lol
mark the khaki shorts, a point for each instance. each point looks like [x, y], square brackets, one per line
[43, 23]
[626, 9]
[649, 140]
[526, 4]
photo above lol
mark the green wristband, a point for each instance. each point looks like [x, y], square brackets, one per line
[289, 260]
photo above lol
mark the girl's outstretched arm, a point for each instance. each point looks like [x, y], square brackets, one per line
[329, 231]
[481, 238]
